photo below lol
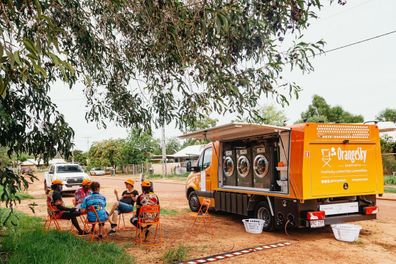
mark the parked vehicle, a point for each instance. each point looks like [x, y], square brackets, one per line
[72, 176]
[306, 175]
[97, 172]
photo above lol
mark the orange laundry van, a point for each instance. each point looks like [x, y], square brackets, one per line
[305, 175]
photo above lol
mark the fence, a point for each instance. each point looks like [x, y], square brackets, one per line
[155, 168]
[389, 163]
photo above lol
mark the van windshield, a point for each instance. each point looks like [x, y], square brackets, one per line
[68, 169]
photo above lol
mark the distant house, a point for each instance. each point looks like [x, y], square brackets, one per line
[29, 164]
[177, 162]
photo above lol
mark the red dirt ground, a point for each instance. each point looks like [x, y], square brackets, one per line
[377, 243]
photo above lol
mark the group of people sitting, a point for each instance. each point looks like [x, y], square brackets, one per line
[88, 197]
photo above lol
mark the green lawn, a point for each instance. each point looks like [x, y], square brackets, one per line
[29, 243]
[388, 189]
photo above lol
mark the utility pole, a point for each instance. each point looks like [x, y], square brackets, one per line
[163, 145]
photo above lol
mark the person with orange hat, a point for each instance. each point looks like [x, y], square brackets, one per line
[148, 197]
[55, 198]
[82, 192]
[123, 205]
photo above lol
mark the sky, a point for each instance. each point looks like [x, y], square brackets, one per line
[361, 78]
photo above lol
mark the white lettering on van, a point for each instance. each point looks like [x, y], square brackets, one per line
[352, 155]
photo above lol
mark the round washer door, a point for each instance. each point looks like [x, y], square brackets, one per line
[243, 166]
[228, 166]
[260, 166]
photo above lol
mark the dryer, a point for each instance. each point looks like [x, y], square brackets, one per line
[262, 165]
[229, 166]
[244, 167]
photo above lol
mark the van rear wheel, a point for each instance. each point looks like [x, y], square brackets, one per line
[193, 202]
[263, 212]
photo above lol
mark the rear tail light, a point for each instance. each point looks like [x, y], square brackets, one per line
[317, 215]
[369, 210]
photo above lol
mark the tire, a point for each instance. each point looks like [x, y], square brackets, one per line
[193, 202]
[263, 212]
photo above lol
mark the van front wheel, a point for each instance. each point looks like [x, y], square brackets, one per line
[263, 212]
[193, 202]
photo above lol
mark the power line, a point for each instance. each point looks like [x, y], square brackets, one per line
[360, 41]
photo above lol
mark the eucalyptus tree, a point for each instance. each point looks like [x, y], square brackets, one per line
[142, 63]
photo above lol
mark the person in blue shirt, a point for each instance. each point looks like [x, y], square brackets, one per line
[98, 201]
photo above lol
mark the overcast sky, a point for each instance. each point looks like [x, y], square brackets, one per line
[361, 79]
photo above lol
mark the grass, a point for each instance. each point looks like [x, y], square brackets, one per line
[165, 211]
[21, 195]
[390, 180]
[390, 190]
[29, 243]
[174, 255]
[182, 177]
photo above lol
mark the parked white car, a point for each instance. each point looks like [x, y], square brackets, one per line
[97, 172]
[72, 176]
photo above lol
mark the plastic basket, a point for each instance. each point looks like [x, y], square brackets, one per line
[253, 225]
[346, 232]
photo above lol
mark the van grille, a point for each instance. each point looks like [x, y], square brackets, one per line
[342, 131]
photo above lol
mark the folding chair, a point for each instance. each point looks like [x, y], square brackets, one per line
[95, 223]
[123, 221]
[203, 217]
[149, 215]
[52, 217]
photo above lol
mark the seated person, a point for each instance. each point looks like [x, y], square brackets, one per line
[148, 197]
[81, 193]
[123, 205]
[97, 201]
[55, 198]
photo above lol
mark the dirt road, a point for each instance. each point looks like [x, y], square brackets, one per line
[377, 243]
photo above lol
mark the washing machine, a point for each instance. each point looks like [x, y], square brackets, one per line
[244, 167]
[229, 166]
[262, 165]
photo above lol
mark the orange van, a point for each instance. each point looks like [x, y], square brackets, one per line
[305, 175]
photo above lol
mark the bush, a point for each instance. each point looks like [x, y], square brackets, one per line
[389, 164]
[388, 180]
[175, 255]
[29, 243]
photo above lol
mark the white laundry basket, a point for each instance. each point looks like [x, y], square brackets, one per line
[253, 225]
[346, 232]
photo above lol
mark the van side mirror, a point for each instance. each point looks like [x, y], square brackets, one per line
[190, 167]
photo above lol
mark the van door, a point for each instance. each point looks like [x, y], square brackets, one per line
[204, 165]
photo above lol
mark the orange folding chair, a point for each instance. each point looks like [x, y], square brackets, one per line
[121, 217]
[149, 215]
[54, 217]
[203, 218]
[95, 223]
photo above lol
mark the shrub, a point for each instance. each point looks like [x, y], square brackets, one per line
[175, 254]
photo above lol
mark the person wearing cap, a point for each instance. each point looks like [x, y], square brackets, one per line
[82, 192]
[148, 197]
[55, 198]
[123, 205]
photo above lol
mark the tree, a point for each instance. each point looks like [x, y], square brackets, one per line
[5, 160]
[203, 123]
[106, 153]
[172, 146]
[320, 111]
[389, 114]
[138, 148]
[266, 115]
[80, 157]
[186, 59]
